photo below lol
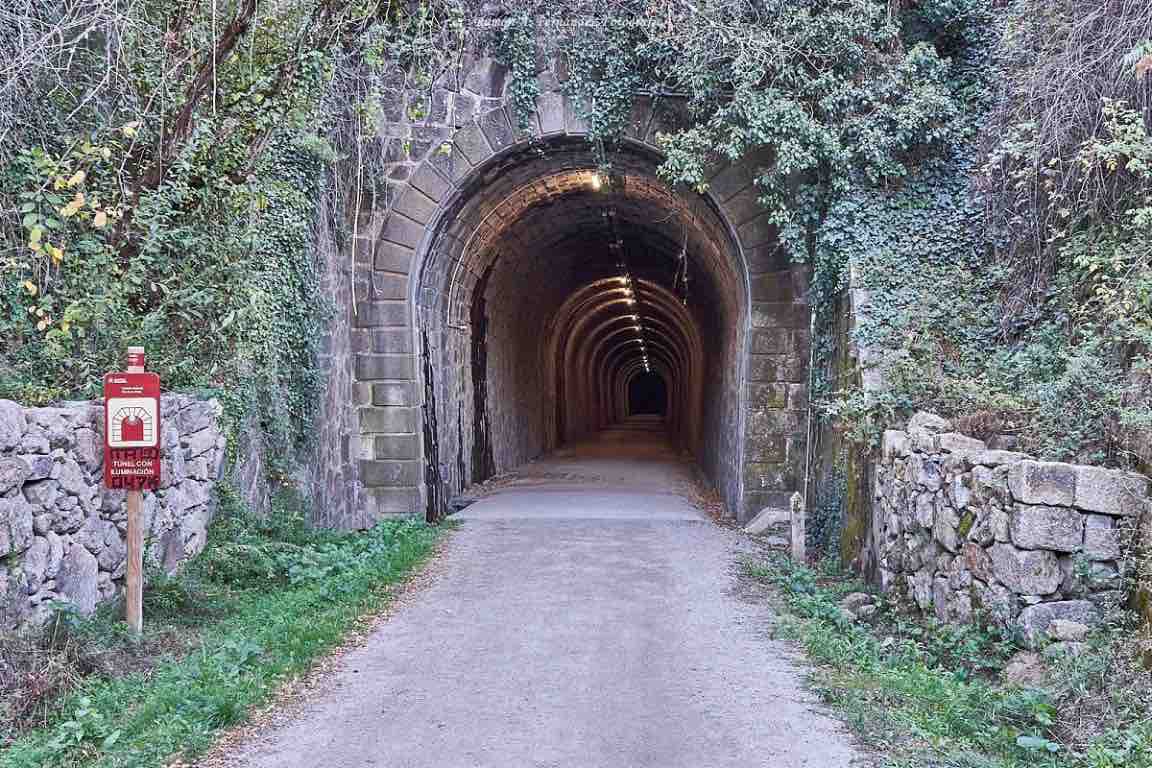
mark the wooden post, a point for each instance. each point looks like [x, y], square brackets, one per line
[134, 577]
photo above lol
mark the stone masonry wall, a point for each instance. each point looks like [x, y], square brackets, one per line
[964, 529]
[62, 534]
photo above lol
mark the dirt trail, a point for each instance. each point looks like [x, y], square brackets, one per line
[585, 615]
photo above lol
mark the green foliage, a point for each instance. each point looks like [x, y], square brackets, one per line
[263, 632]
[609, 63]
[824, 520]
[163, 196]
[857, 112]
[1085, 343]
[929, 694]
[517, 47]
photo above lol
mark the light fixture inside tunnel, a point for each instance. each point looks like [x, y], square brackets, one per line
[595, 182]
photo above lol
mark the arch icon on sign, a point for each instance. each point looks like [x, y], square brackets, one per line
[132, 423]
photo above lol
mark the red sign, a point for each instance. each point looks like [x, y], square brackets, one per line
[132, 430]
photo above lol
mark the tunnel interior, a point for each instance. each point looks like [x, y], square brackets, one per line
[556, 300]
[647, 394]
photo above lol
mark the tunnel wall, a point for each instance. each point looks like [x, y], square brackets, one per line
[414, 401]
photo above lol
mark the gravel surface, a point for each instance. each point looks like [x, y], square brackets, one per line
[585, 615]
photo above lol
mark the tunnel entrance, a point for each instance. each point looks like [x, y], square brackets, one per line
[590, 294]
[550, 292]
[647, 395]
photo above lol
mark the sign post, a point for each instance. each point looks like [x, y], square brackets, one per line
[132, 461]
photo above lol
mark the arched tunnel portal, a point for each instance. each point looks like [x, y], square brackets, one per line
[548, 285]
[542, 294]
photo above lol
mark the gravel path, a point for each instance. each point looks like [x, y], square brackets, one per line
[585, 615]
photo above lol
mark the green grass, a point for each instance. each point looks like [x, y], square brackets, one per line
[307, 592]
[928, 694]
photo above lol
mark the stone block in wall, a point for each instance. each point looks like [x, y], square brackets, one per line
[1043, 482]
[955, 522]
[13, 424]
[951, 442]
[928, 423]
[394, 393]
[944, 527]
[997, 458]
[497, 129]
[550, 110]
[13, 474]
[1101, 538]
[373, 314]
[763, 396]
[431, 183]
[372, 366]
[396, 447]
[388, 420]
[403, 231]
[1111, 492]
[995, 601]
[395, 474]
[776, 368]
[384, 502]
[15, 525]
[894, 444]
[1035, 620]
[765, 448]
[391, 257]
[1038, 527]
[1026, 572]
[779, 314]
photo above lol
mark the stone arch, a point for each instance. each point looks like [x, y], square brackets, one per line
[492, 229]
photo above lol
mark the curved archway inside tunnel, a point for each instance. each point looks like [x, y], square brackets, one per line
[647, 395]
[544, 290]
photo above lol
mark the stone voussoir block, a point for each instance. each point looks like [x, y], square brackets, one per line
[430, 182]
[392, 257]
[417, 206]
[402, 230]
[471, 142]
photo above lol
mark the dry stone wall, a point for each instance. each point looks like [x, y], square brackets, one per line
[62, 534]
[965, 529]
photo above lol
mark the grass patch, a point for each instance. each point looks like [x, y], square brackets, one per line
[264, 600]
[930, 694]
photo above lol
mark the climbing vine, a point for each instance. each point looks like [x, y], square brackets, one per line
[160, 176]
[517, 46]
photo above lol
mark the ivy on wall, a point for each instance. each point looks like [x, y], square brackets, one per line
[160, 187]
